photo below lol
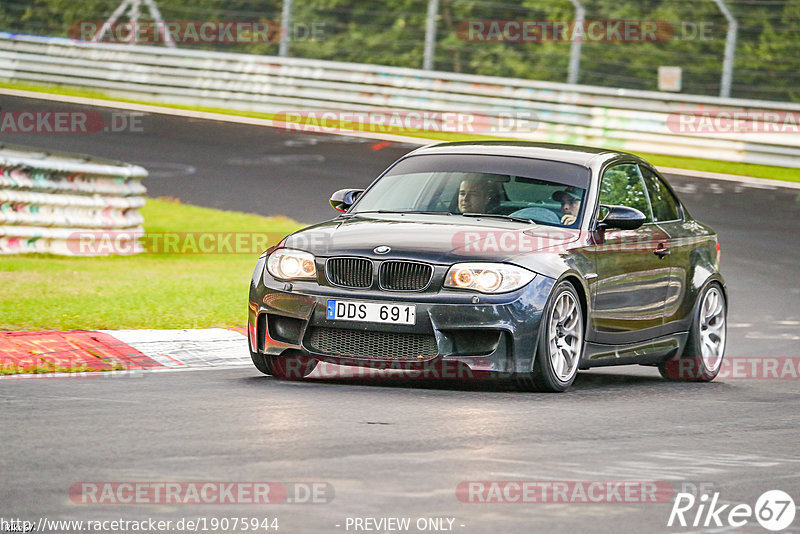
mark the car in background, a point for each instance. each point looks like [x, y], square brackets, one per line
[524, 260]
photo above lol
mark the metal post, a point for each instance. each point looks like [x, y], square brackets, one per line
[730, 49]
[156, 14]
[133, 14]
[111, 20]
[134, 10]
[286, 27]
[575, 49]
[430, 34]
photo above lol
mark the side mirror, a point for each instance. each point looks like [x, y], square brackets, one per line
[622, 217]
[342, 199]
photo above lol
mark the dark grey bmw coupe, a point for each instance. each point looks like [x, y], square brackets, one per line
[512, 259]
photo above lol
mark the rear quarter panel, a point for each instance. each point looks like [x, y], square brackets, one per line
[693, 264]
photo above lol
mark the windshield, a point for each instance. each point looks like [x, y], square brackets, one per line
[537, 198]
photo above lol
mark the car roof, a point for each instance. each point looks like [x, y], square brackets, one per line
[575, 154]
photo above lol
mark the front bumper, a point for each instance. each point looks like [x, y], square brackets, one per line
[487, 333]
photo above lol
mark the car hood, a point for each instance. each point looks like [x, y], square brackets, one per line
[432, 238]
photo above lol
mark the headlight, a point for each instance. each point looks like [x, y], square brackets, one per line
[487, 277]
[289, 264]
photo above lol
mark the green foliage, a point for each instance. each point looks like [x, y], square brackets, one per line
[391, 32]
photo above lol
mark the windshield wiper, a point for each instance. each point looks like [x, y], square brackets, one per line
[499, 216]
[416, 212]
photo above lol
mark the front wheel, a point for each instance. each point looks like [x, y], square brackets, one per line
[560, 345]
[705, 347]
[291, 365]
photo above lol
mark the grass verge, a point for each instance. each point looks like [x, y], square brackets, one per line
[46, 292]
[698, 164]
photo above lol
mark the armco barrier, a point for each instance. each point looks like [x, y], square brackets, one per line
[47, 199]
[638, 121]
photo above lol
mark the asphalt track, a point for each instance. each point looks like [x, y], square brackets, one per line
[399, 449]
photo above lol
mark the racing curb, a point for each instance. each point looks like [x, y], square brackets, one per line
[113, 353]
[55, 353]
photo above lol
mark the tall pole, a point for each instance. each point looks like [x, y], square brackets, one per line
[286, 28]
[430, 34]
[156, 14]
[575, 48]
[730, 49]
[107, 25]
[133, 15]
[133, 7]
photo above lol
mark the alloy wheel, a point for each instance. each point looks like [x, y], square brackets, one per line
[712, 329]
[565, 336]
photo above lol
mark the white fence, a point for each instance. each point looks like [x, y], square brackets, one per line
[637, 121]
[64, 203]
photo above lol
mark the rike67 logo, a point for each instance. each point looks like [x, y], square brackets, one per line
[774, 510]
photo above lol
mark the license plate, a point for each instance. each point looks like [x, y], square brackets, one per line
[371, 312]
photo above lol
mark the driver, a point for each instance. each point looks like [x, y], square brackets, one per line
[570, 199]
[477, 196]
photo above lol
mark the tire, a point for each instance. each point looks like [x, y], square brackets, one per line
[705, 347]
[560, 344]
[291, 365]
[260, 361]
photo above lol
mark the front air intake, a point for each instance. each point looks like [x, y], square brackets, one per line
[354, 273]
[405, 275]
[370, 345]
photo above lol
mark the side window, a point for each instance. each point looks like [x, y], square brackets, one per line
[665, 205]
[622, 186]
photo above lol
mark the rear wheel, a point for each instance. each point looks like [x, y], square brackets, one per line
[560, 344]
[705, 347]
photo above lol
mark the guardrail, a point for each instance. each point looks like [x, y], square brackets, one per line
[60, 203]
[637, 121]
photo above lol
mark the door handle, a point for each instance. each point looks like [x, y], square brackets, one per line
[661, 251]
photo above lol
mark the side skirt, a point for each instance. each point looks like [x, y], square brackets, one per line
[649, 352]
